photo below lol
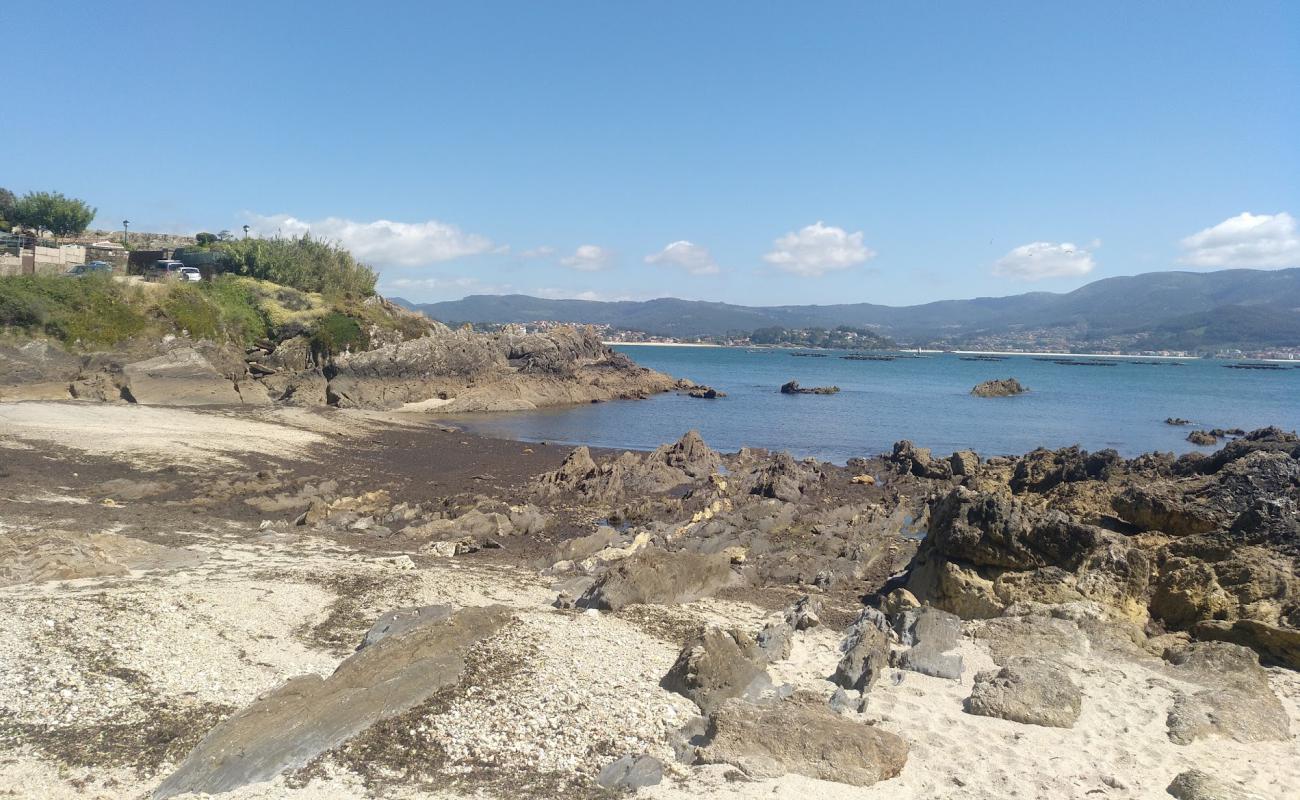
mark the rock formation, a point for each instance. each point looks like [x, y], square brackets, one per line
[793, 387]
[1005, 387]
[444, 369]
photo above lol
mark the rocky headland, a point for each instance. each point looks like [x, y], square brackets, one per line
[341, 602]
[402, 360]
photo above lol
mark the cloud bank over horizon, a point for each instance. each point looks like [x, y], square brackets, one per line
[1260, 241]
[383, 242]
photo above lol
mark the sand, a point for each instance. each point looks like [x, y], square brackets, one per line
[89, 666]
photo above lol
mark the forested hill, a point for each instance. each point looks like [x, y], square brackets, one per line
[1229, 308]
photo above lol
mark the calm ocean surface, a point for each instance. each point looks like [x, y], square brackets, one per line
[923, 399]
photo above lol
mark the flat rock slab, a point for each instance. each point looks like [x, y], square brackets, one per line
[65, 555]
[1031, 690]
[1236, 704]
[771, 740]
[292, 724]
[181, 377]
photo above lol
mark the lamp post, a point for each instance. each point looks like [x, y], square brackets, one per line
[125, 224]
[245, 231]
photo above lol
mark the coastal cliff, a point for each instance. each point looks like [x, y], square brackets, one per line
[355, 354]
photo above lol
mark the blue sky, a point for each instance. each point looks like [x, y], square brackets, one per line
[759, 153]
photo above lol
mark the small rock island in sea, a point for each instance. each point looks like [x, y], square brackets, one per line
[793, 387]
[999, 388]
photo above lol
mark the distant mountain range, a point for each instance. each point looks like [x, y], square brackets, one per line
[1246, 309]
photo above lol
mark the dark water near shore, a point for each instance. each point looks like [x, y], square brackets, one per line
[924, 399]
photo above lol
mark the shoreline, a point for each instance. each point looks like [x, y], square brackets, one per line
[664, 344]
[929, 351]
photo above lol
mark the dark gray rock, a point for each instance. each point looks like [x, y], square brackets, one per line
[933, 636]
[307, 715]
[866, 652]
[776, 640]
[401, 620]
[718, 665]
[631, 772]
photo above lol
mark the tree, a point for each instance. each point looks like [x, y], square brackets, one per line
[205, 239]
[6, 209]
[51, 211]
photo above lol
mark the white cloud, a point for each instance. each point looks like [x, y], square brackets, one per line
[382, 242]
[1246, 240]
[694, 258]
[589, 258]
[1038, 260]
[817, 249]
[545, 251]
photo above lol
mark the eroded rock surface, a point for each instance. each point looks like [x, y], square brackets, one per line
[1034, 691]
[291, 724]
[772, 740]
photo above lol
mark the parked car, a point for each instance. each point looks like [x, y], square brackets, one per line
[170, 269]
[79, 270]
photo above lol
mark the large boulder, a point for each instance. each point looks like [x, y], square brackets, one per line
[933, 636]
[996, 531]
[1236, 704]
[772, 740]
[865, 652]
[661, 577]
[718, 665]
[1027, 689]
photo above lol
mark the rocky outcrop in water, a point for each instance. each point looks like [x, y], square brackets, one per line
[1005, 387]
[793, 387]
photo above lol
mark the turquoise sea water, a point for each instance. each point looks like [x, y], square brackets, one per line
[924, 399]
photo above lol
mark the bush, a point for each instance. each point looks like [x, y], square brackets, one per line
[312, 265]
[223, 310]
[335, 333]
[93, 310]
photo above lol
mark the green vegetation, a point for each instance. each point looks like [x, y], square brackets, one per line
[7, 201]
[312, 265]
[842, 338]
[225, 310]
[52, 212]
[336, 332]
[93, 310]
[98, 311]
